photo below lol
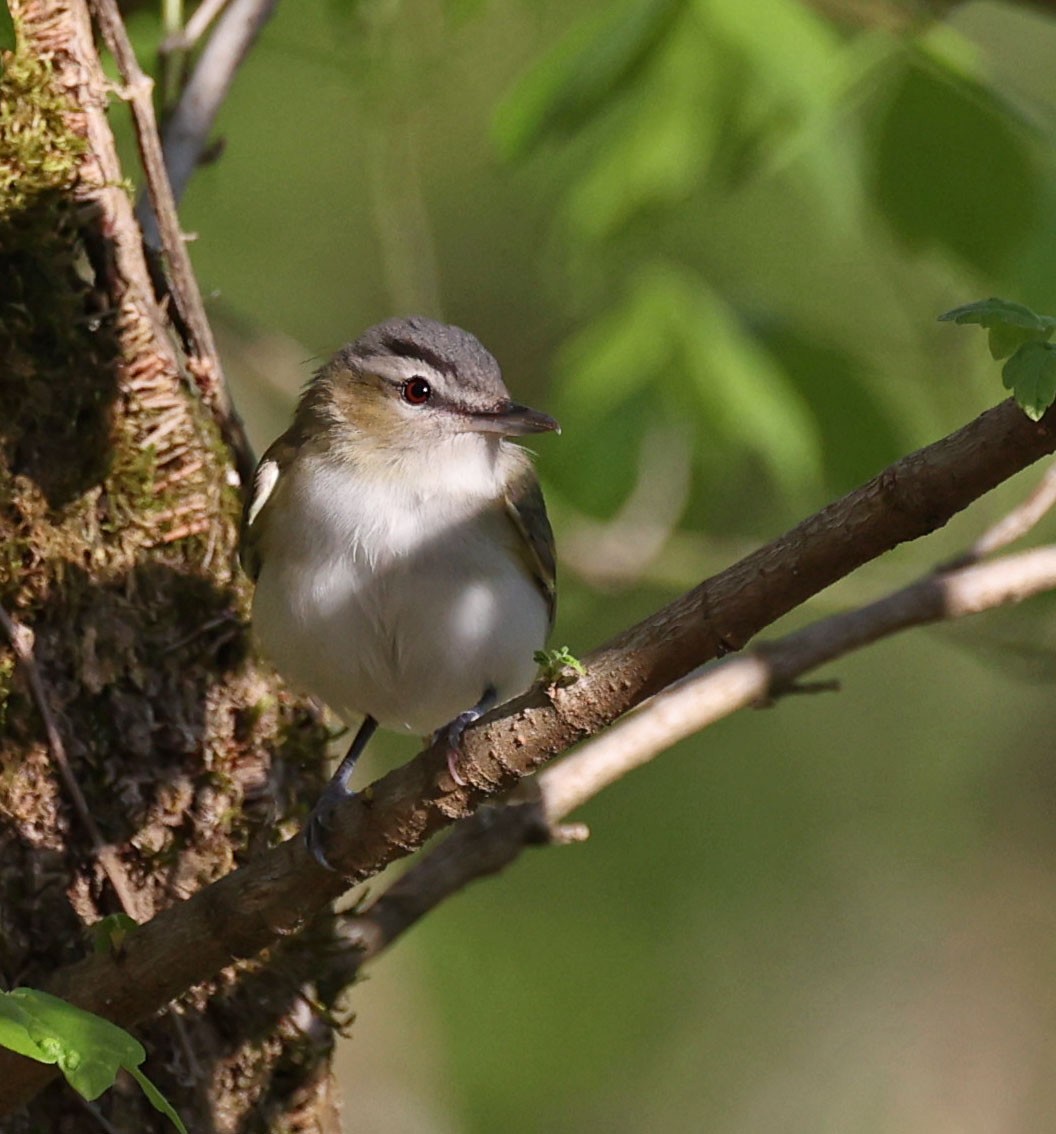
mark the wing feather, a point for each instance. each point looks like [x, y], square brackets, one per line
[255, 512]
[526, 510]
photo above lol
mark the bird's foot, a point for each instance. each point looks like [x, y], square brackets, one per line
[454, 730]
[334, 795]
[320, 822]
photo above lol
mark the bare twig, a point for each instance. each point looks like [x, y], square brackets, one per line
[1014, 525]
[188, 128]
[479, 846]
[198, 24]
[706, 697]
[492, 839]
[21, 639]
[204, 364]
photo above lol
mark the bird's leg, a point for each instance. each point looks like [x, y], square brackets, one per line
[458, 726]
[335, 793]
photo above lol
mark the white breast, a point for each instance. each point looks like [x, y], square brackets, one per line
[402, 597]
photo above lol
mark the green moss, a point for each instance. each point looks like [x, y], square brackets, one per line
[7, 677]
[38, 154]
[72, 464]
[130, 487]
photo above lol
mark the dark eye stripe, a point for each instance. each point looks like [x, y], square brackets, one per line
[405, 348]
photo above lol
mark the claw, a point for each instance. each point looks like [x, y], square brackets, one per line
[335, 794]
[454, 749]
[318, 826]
[458, 726]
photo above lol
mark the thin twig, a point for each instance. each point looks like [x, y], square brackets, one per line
[720, 689]
[1014, 525]
[197, 25]
[20, 639]
[187, 129]
[492, 839]
[204, 364]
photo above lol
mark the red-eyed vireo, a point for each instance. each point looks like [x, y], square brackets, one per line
[403, 559]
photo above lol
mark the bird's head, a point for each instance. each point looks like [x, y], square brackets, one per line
[415, 384]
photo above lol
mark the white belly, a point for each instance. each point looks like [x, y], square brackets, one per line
[404, 608]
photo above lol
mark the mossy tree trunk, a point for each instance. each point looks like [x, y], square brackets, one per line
[118, 532]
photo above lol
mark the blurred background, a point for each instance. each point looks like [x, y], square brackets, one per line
[712, 237]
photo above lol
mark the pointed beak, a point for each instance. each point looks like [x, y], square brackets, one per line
[512, 420]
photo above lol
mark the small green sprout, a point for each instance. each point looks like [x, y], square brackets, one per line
[109, 933]
[559, 666]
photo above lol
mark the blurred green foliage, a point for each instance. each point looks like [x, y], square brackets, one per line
[670, 109]
[733, 223]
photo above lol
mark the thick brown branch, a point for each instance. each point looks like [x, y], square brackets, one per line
[492, 839]
[276, 894]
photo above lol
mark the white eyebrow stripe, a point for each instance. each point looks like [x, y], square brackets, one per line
[263, 486]
[401, 368]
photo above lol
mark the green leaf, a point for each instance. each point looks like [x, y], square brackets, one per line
[1031, 376]
[1004, 340]
[953, 166]
[559, 663]
[723, 374]
[652, 162]
[15, 1024]
[88, 1049]
[674, 339]
[714, 99]
[157, 1100]
[994, 312]
[8, 39]
[109, 933]
[837, 385]
[1009, 324]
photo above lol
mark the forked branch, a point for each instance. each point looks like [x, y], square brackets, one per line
[491, 840]
[278, 892]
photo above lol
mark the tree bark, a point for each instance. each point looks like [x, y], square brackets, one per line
[118, 532]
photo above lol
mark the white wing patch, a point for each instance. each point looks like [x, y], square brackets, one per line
[263, 486]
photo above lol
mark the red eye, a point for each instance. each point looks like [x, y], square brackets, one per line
[416, 391]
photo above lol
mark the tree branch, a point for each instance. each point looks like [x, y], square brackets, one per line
[1014, 525]
[492, 839]
[280, 891]
[204, 363]
[187, 129]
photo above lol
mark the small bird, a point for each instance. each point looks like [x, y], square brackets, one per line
[403, 558]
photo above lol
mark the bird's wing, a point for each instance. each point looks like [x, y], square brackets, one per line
[527, 512]
[255, 512]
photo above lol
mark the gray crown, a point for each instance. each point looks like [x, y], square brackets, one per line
[447, 349]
